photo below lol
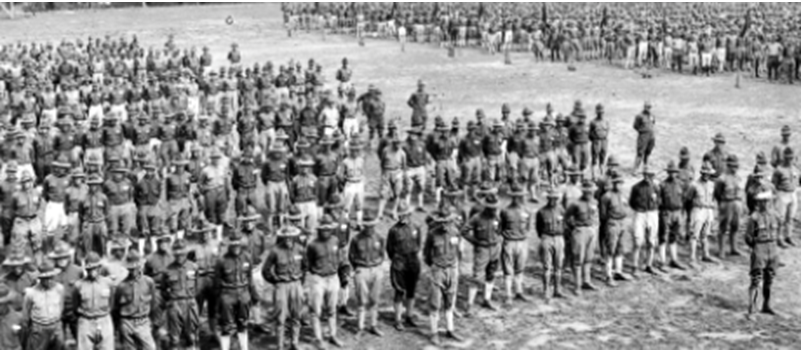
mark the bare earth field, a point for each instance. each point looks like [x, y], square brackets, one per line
[696, 310]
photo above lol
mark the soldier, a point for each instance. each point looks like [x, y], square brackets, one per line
[644, 124]
[785, 179]
[469, 158]
[17, 277]
[671, 217]
[442, 151]
[10, 321]
[323, 258]
[114, 268]
[393, 170]
[599, 133]
[728, 194]
[135, 305]
[326, 169]
[366, 253]
[529, 168]
[233, 275]
[717, 155]
[777, 153]
[178, 286]
[482, 231]
[761, 235]
[54, 191]
[302, 194]
[178, 187]
[343, 75]
[213, 184]
[579, 136]
[581, 219]
[284, 269]
[147, 195]
[244, 181]
[644, 201]
[91, 301]
[27, 229]
[42, 312]
[493, 146]
[515, 225]
[702, 206]
[92, 214]
[550, 228]
[205, 255]
[755, 185]
[353, 169]
[612, 215]
[75, 195]
[373, 107]
[441, 252]
[274, 174]
[256, 242]
[419, 101]
[342, 231]
[404, 242]
[8, 187]
[62, 257]
[122, 211]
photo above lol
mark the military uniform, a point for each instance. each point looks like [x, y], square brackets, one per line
[761, 235]
[302, 192]
[93, 302]
[284, 269]
[366, 254]
[235, 290]
[178, 284]
[728, 194]
[785, 179]
[274, 175]
[122, 210]
[550, 227]
[323, 258]
[42, 314]
[582, 220]
[178, 188]
[404, 242]
[147, 194]
[671, 215]
[92, 213]
[515, 223]
[205, 256]
[244, 181]
[136, 300]
[27, 229]
[213, 185]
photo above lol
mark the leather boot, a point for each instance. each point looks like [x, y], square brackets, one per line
[588, 278]
[578, 278]
[753, 297]
[557, 285]
[280, 332]
[546, 286]
[766, 298]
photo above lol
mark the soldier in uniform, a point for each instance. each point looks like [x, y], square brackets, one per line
[612, 214]
[256, 242]
[785, 179]
[469, 158]
[671, 218]
[579, 137]
[62, 257]
[581, 219]
[393, 169]
[178, 286]
[419, 101]
[205, 256]
[27, 229]
[284, 269]
[213, 184]
[326, 169]
[136, 302]
[42, 311]
[529, 168]
[353, 169]
[233, 277]
[493, 146]
[244, 181]
[646, 140]
[442, 252]
[92, 214]
[483, 232]
[114, 266]
[76, 194]
[343, 75]
[404, 242]
[701, 201]
[147, 194]
[8, 187]
[777, 153]
[515, 225]
[644, 201]
[729, 195]
[10, 321]
[177, 186]
[761, 235]
[302, 194]
[90, 302]
[599, 133]
[366, 253]
[54, 191]
[17, 277]
[122, 211]
[323, 258]
[275, 175]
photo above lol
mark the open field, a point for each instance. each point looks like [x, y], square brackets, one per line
[702, 309]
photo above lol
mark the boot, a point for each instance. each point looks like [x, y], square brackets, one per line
[753, 297]
[588, 278]
[546, 286]
[578, 278]
[766, 300]
[280, 331]
[557, 286]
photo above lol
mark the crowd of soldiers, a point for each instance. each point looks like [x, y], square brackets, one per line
[702, 38]
[118, 229]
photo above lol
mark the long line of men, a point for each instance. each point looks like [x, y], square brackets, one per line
[175, 172]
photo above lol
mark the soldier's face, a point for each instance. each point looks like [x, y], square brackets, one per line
[235, 249]
[18, 269]
[62, 263]
[118, 253]
[180, 257]
[91, 273]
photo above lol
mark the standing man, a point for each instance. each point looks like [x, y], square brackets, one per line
[612, 214]
[302, 191]
[178, 286]
[42, 311]
[777, 153]
[10, 321]
[785, 179]
[353, 169]
[515, 226]
[393, 170]
[729, 195]
[213, 184]
[136, 301]
[671, 217]
[91, 302]
[579, 136]
[275, 175]
[419, 101]
[417, 158]
[442, 250]
[550, 228]
[54, 191]
[599, 133]
[122, 210]
[529, 168]
[147, 195]
[644, 201]
[235, 289]
[323, 256]
[717, 155]
[206, 254]
[482, 231]
[404, 242]
[761, 235]
[27, 229]
[644, 124]
[177, 185]
[366, 253]
[581, 218]
[284, 269]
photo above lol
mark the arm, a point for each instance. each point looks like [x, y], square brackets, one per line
[268, 269]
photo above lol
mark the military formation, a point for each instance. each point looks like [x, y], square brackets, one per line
[143, 190]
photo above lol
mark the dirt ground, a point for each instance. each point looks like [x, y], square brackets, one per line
[690, 310]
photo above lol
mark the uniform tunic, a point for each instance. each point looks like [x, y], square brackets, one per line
[233, 277]
[404, 242]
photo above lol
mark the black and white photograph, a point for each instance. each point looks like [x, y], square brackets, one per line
[400, 175]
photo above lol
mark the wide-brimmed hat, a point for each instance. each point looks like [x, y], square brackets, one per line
[490, 201]
[765, 195]
[250, 215]
[47, 269]
[719, 138]
[612, 161]
[179, 247]
[94, 180]
[370, 219]
[706, 168]
[234, 240]
[571, 170]
[6, 294]
[671, 167]
[732, 160]
[326, 223]
[288, 231]
[648, 171]
[16, 259]
[516, 191]
[588, 186]
[786, 130]
[180, 162]
[404, 209]
[305, 162]
[62, 251]
[203, 226]
[443, 214]
[486, 188]
[62, 163]
[133, 260]
[92, 261]
[452, 192]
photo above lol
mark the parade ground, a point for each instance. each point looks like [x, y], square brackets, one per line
[680, 310]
